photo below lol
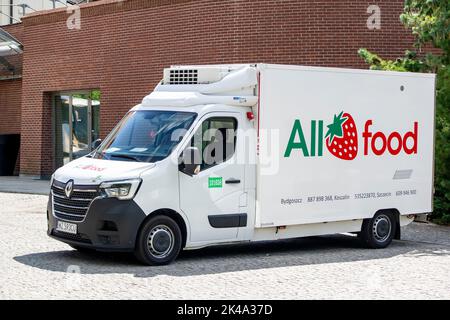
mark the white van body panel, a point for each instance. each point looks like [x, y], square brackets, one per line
[331, 189]
[86, 171]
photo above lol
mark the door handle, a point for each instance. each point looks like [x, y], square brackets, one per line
[232, 181]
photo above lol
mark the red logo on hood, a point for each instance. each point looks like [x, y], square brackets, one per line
[90, 167]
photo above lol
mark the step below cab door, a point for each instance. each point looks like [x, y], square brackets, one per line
[210, 196]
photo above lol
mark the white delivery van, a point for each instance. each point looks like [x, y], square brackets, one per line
[234, 153]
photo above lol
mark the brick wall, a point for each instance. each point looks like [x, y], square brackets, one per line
[11, 93]
[16, 30]
[10, 106]
[122, 47]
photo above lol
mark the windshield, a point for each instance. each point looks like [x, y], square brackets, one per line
[145, 136]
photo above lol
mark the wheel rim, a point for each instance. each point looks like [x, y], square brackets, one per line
[160, 241]
[382, 228]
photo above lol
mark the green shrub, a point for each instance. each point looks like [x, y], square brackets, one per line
[429, 23]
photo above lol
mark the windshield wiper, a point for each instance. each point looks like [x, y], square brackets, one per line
[125, 156]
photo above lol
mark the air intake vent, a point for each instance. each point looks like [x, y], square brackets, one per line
[183, 76]
[195, 75]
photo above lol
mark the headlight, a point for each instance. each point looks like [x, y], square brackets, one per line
[122, 190]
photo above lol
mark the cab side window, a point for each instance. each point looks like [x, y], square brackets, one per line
[216, 140]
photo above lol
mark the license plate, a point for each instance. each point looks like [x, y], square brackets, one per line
[66, 227]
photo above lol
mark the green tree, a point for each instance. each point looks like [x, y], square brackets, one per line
[429, 23]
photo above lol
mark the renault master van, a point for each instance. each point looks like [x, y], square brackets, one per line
[221, 154]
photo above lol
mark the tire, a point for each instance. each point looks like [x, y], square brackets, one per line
[378, 232]
[159, 241]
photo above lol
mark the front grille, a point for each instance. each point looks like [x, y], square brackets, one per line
[75, 207]
[71, 202]
[67, 217]
[85, 195]
[74, 237]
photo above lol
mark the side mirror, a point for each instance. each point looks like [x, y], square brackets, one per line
[191, 161]
[96, 143]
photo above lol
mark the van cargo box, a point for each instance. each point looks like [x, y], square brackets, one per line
[350, 142]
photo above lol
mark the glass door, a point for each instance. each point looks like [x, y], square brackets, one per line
[76, 125]
[62, 130]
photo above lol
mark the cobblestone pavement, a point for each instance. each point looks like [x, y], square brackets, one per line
[333, 267]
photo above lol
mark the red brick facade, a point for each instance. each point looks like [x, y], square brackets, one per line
[11, 94]
[10, 106]
[122, 47]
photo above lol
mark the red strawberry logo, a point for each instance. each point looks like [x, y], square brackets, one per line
[342, 137]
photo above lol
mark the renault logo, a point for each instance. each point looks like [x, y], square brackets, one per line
[69, 188]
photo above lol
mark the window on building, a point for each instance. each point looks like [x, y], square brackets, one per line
[76, 124]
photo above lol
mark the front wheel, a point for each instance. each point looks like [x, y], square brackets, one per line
[159, 241]
[379, 231]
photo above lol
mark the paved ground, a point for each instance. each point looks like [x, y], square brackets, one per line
[24, 185]
[37, 267]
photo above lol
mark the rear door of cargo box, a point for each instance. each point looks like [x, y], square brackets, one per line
[339, 144]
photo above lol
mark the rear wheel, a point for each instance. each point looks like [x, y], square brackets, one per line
[159, 241]
[379, 231]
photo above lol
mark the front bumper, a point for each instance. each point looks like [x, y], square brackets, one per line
[110, 225]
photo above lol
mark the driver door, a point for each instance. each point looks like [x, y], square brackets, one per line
[210, 198]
